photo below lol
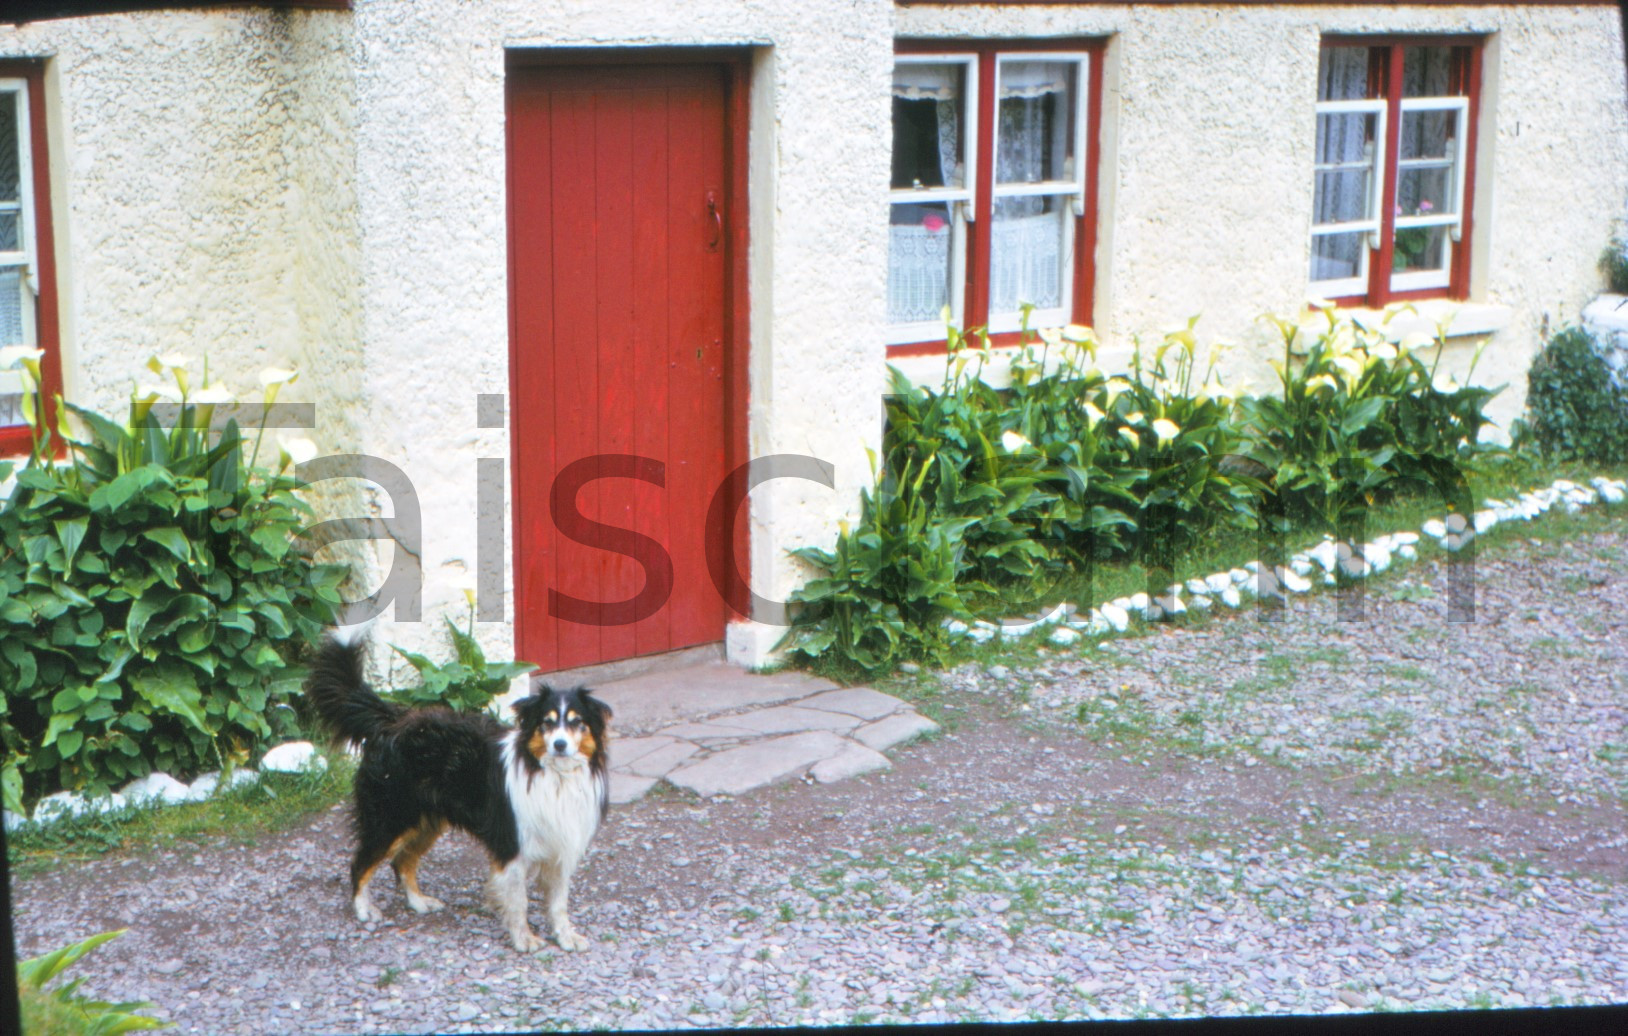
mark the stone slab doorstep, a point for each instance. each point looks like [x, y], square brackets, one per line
[885, 733]
[650, 701]
[737, 770]
[627, 787]
[853, 760]
[855, 701]
[624, 751]
[791, 719]
[658, 763]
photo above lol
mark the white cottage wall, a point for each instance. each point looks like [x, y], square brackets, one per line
[328, 188]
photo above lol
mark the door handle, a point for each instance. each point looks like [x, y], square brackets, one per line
[717, 221]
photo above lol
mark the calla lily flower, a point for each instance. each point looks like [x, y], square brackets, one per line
[1093, 416]
[297, 449]
[1079, 333]
[272, 379]
[1014, 442]
[158, 392]
[1166, 429]
[1131, 436]
[213, 395]
[1415, 340]
[277, 376]
[1320, 381]
[1135, 418]
[1051, 335]
[17, 355]
[1350, 366]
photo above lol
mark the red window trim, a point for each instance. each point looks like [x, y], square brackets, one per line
[16, 439]
[1085, 226]
[1386, 56]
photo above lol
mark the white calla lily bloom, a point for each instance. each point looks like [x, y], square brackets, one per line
[298, 448]
[17, 355]
[213, 395]
[1166, 429]
[1014, 442]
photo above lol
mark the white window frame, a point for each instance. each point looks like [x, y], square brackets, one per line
[1073, 189]
[21, 259]
[1454, 221]
[1371, 225]
[962, 200]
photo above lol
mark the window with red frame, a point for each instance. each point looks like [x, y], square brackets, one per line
[992, 203]
[1394, 171]
[27, 282]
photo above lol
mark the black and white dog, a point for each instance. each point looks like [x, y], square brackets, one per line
[533, 794]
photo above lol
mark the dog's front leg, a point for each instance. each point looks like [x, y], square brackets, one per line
[558, 879]
[508, 893]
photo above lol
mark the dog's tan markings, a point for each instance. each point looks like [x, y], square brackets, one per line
[586, 743]
[415, 845]
[538, 745]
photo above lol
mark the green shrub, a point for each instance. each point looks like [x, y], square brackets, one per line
[889, 581]
[468, 683]
[1575, 410]
[65, 1012]
[153, 597]
[990, 492]
[1356, 416]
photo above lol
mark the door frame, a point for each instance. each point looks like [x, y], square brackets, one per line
[735, 63]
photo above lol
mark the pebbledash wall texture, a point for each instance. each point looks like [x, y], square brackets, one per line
[327, 188]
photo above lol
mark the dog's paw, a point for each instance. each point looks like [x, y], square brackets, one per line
[366, 911]
[571, 940]
[526, 941]
[425, 904]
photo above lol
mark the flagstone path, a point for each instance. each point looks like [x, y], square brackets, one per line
[716, 730]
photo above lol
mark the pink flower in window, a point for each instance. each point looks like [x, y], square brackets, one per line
[1425, 206]
[934, 222]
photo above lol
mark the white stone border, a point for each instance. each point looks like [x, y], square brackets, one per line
[160, 789]
[1305, 568]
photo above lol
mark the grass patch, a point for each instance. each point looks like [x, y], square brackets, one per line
[240, 816]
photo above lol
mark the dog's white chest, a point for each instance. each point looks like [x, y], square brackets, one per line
[556, 812]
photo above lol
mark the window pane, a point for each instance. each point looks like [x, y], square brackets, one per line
[1342, 73]
[1027, 254]
[1034, 134]
[1428, 134]
[10, 232]
[1341, 197]
[1344, 175]
[918, 270]
[11, 307]
[1420, 249]
[928, 148]
[1427, 71]
[1336, 257]
[9, 155]
[1424, 191]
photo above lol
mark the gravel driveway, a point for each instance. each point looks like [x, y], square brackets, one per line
[1235, 817]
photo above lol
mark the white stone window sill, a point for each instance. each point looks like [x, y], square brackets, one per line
[1461, 319]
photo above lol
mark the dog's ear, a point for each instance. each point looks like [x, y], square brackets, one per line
[597, 703]
[528, 711]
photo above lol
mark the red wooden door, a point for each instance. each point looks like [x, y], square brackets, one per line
[619, 196]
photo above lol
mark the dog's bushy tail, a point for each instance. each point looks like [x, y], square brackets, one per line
[338, 689]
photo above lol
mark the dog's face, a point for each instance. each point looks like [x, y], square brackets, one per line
[562, 727]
